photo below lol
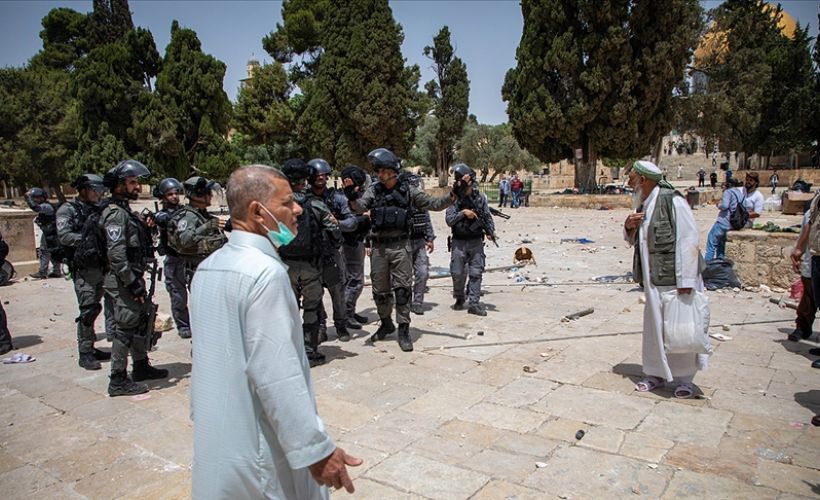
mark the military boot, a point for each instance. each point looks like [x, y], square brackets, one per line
[477, 309]
[184, 333]
[361, 319]
[417, 309]
[386, 328]
[89, 361]
[322, 332]
[101, 355]
[352, 324]
[405, 342]
[315, 358]
[459, 305]
[342, 333]
[121, 385]
[144, 371]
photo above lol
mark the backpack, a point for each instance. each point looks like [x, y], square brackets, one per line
[306, 243]
[740, 215]
[92, 250]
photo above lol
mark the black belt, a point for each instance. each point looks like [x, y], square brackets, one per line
[476, 237]
[388, 240]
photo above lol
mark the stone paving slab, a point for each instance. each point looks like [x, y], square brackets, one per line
[459, 417]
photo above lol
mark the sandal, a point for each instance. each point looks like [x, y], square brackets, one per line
[684, 391]
[648, 384]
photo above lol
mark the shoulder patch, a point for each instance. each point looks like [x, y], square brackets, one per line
[182, 225]
[61, 222]
[114, 232]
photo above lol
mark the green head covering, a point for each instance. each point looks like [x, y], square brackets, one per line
[651, 172]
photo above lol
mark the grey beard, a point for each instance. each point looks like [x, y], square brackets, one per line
[637, 198]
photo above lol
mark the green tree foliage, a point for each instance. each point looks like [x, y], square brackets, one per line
[263, 112]
[37, 126]
[358, 95]
[450, 91]
[423, 152]
[492, 150]
[183, 125]
[109, 22]
[65, 40]
[598, 76]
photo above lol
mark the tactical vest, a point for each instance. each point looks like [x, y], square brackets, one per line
[392, 209]
[205, 246]
[307, 243]
[467, 229]
[418, 225]
[660, 239]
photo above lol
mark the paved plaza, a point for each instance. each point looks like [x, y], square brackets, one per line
[483, 408]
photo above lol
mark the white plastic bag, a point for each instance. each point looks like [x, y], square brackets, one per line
[686, 323]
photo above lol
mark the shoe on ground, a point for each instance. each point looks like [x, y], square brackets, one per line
[38, 276]
[121, 385]
[417, 309]
[815, 363]
[6, 348]
[89, 361]
[144, 371]
[458, 306]
[477, 309]
[405, 342]
[386, 328]
[101, 355]
[796, 335]
[361, 319]
[185, 333]
[55, 275]
[322, 333]
[352, 324]
[815, 351]
[342, 333]
[315, 358]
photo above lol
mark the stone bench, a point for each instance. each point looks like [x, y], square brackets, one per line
[762, 258]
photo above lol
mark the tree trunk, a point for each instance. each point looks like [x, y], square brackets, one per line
[585, 169]
[442, 166]
[58, 190]
[656, 152]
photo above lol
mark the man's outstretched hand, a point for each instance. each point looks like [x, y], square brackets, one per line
[332, 470]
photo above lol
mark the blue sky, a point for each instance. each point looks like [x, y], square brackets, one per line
[485, 34]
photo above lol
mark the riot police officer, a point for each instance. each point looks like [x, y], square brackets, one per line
[129, 250]
[303, 256]
[422, 237]
[193, 232]
[471, 221]
[76, 223]
[391, 203]
[168, 192]
[353, 250]
[338, 205]
[49, 250]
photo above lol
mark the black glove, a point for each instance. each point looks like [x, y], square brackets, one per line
[351, 192]
[137, 288]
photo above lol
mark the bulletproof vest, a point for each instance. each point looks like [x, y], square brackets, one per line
[418, 224]
[307, 244]
[144, 250]
[205, 246]
[467, 229]
[46, 222]
[661, 239]
[392, 209]
[163, 248]
[92, 250]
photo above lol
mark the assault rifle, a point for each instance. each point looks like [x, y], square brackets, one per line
[499, 213]
[149, 313]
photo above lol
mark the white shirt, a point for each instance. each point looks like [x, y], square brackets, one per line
[256, 428]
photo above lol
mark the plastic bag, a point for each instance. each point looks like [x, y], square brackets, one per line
[719, 273]
[686, 323]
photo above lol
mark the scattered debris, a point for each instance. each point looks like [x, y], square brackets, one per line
[540, 465]
[782, 303]
[652, 466]
[529, 369]
[480, 333]
[579, 314]
[641, 300]
[140, 397]
[726, 328]
[582, 241]
[636, 489]
[614, 278]
[20, 357]
[579, 434]
[543, 354]
[720, 336]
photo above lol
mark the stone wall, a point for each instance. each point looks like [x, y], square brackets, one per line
[761, 257]
[17, 227]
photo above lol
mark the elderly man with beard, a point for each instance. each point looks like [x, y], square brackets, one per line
[667, 258]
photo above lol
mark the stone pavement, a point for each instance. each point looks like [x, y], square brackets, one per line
[473, 412]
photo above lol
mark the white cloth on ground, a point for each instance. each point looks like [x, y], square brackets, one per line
[656, 363]
[256, 427]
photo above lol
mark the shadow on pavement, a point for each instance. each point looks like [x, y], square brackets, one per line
[23, 341]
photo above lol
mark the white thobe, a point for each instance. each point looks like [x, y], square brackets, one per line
[256, 427]
[656, 363]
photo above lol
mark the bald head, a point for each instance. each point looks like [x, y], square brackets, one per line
[251, 183]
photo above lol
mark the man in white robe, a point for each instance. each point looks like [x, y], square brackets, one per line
[257, 433]
[658, 366]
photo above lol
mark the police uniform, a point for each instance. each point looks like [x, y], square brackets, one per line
[173, 268]
[353, 249]
[194, 234]
[88, 280]
[49, 241]
[391, 266]
[304, 267]
[467, 252]
[421, 233]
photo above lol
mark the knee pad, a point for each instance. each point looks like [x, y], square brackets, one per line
[402, 296]
[88, 314]
[381, 298]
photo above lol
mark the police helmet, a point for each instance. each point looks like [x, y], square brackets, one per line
[165, 185]
[384, 158]
[199, 186]
[354, 173]
[461, 169]
[296, 170]
[38, 193]
[319, 166]
[124, 170]
[92, 181]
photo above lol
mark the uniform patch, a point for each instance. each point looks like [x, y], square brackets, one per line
[61, 223]
[114, 232]
[181, 225]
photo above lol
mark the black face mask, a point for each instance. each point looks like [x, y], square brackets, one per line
[460, 188]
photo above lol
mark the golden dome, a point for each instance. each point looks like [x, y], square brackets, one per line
[714, 41]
